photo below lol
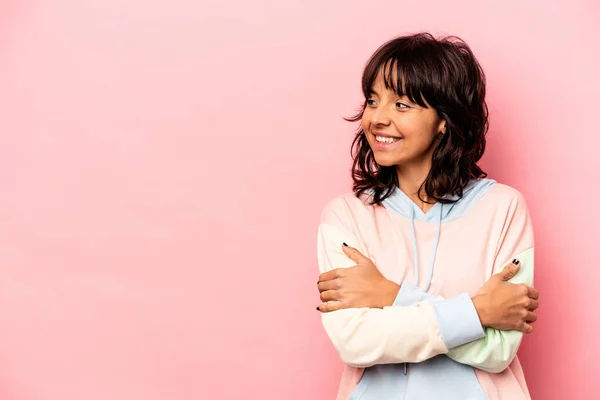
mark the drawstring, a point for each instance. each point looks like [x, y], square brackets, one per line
[416, 254]
[414, 244]
[435, 247]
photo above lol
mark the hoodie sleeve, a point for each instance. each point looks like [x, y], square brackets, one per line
[368, 336]
[497, 349]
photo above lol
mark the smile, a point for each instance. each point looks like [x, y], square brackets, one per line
[384, 139]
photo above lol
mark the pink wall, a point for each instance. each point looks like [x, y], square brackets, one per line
[164, 165]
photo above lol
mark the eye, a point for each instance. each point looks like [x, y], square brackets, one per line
[401, 105]
[370, 102]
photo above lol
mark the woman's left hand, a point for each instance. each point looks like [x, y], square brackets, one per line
[359, 286]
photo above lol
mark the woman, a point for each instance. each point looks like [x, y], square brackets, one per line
[415, 262]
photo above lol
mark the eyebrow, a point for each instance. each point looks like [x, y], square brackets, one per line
[404, 96]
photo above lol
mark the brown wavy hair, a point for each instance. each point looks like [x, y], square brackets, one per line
[444, 73]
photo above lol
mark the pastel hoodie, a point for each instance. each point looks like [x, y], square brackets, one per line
[430, 343]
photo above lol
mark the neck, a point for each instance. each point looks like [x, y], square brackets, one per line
[410, 180]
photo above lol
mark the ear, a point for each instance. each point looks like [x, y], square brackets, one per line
[442, 127]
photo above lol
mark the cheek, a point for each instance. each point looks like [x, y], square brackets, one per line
[406, 124]
[415, 130]
[364, 122]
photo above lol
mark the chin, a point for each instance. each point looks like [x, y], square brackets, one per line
[386, 160]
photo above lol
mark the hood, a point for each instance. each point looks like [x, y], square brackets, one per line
[399, 203]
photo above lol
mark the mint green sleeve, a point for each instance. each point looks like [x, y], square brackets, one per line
[497, 349]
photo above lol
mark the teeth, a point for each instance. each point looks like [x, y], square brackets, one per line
[386, 139]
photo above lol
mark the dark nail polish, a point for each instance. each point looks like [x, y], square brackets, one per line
[515, 261]
[318, 309]
[345, 244]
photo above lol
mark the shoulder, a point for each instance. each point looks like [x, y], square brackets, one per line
[506, 197]
[503, 192]
[511, 218]
[346, 206]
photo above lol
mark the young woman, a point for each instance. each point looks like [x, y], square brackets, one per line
[415, 263]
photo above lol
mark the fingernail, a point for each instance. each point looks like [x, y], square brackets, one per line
[515, 261]
[345, 244]
[318, 309]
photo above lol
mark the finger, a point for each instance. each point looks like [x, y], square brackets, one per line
[532, 304]
[332, 284]
[330, 295]
[527, 328]
[531, 317]
[354, 254]
[330, 306]
[329, 275]
[510, 270]
[533, 293]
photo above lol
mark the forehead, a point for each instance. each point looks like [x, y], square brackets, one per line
[386, 79]
[386, 82]
[406, 80]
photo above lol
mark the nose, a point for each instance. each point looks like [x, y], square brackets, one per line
[380, 116]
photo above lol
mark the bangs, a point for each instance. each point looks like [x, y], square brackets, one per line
[407, 70]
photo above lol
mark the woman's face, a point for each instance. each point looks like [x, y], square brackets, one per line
[400, 132]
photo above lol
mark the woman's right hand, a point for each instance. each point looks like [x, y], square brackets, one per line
[507, 306]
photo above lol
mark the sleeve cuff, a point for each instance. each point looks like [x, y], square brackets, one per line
[458, 320]
[410, 294]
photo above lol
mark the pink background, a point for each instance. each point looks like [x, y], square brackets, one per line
[164, 163]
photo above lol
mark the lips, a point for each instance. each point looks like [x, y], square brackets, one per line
[385, 135]
[385, 138]
[384, 141]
